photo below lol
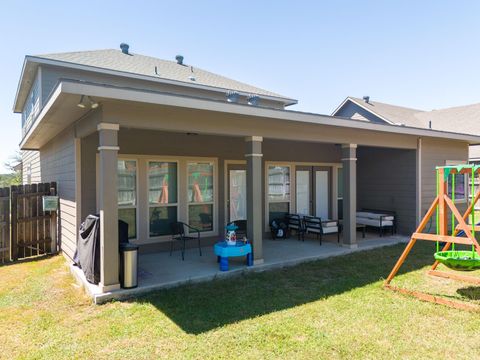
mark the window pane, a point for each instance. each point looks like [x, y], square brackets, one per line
[238, 195]
[279, 183]
[162, 182]
[161, 218]
[459, 186]
[127, 182]
[130, 217]
[340, 183]
[278, 210]
[200, 182]
[201, 217]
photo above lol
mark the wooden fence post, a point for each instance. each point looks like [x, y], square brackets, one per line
[13, 223]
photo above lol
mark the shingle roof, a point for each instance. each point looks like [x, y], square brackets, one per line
[459, 119]
[398, 115]
[145, 65]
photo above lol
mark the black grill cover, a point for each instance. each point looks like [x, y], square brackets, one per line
[87, 256]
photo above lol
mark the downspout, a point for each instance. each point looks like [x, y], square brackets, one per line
[419, 181]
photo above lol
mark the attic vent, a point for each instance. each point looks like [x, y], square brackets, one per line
[366, 99]
[232, 96]
[253, 100]
[124, 48]
[179, 59]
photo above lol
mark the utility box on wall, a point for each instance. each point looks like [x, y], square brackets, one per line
[50, 203]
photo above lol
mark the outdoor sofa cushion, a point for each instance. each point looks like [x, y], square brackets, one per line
[372, 215]
[373, 222]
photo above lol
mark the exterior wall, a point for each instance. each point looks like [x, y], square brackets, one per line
[386, 180]
[56, 162]
[436, 152]
[51, 76]
[156, 143]
[474, 153]
[353, 111]
[31, 172]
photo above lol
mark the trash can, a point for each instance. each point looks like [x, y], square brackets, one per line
[128, 265]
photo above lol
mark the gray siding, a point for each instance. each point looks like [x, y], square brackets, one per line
[353, 111]
[435, 153]
[56, 162]
[31, 172]
[386, 181]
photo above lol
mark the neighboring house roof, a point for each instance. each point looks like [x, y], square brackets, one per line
[392, 114]
[460, 119]
[152, 68]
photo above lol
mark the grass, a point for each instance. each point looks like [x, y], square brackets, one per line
[333, 309]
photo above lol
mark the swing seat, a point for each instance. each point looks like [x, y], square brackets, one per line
[463, 260]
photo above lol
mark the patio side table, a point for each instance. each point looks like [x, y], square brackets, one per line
[224, 251]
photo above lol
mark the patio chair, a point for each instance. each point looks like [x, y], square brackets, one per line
[315, 225]
[295, 222]
[179, 234]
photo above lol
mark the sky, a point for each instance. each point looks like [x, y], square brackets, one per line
[420, 54]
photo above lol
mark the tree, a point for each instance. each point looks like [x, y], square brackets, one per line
[14, 178]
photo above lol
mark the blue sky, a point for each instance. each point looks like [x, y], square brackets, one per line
[421, 54]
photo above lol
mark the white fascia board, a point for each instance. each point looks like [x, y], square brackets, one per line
[40, 60]
[151, 97]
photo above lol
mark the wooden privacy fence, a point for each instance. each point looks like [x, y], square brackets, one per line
[25, 228]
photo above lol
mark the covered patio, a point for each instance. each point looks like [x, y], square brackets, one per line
[160, 270]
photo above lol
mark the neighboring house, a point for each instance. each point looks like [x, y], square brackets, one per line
[152, 141]
[460, 119]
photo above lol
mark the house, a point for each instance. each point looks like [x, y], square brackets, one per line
[460, 119]
[153, 141]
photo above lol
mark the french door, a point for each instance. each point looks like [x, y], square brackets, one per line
[313, 191]
[237, 192]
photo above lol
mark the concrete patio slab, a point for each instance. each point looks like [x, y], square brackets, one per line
[160, 270]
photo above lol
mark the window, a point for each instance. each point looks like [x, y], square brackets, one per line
[461, 187]
[32, 106]
[127, 194]
[162, 196]
[200, 194]
[278, 191]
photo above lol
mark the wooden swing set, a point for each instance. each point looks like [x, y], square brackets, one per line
[461, 233]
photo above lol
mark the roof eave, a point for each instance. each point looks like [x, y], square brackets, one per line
[38, 59]
[16, 106]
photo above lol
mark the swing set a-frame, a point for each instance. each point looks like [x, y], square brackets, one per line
[461, 233]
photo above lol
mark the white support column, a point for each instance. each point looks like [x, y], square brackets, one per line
[254, 156]
[107, 193]
[349, 161]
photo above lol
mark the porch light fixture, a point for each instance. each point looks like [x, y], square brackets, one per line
[81, 104]
[233, 96]
[93, 103]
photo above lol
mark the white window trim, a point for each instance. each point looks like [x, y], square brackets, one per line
[227, 185]
[136, 207]
[466, 187]
[214, 203]
[177, 204]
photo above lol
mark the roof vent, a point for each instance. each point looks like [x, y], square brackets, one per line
[179, 59]
[366, 99]
[232, 96]
[253, 100]
[124, 48]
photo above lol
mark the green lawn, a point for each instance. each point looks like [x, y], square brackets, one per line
[332, 309]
